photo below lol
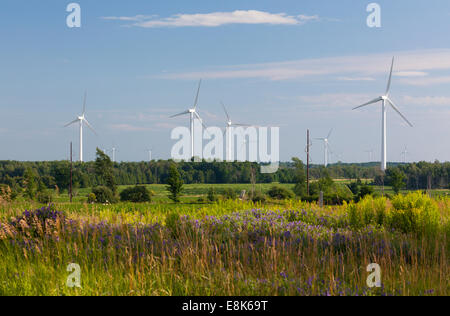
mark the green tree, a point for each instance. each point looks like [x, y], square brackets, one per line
[136, 194]
[30, 184]
[175, 184]
[326, 183]
[104, 168]
[397, 180]
[300, 178]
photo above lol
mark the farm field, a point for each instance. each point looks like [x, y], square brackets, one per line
[229, 247]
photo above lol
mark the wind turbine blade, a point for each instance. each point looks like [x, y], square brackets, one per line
[84, 102]
[201, 121]
[73, 122]
[368, 103]
[226, 112]
[89, 125]
[399, 113]
[319, 138]
[180, 114]
[329, 134]
[198, 92]
[390, 78]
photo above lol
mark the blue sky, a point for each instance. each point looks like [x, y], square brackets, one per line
[293, 64]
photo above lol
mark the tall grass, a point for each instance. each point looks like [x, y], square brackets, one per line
[219, 249]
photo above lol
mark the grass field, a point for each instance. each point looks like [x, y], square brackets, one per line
[192, 192]
[226, 248]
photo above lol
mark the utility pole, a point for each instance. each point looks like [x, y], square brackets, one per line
[307, 163]
[71, 163]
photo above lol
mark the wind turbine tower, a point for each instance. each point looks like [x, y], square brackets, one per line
[82, 120]
[193, 114]
[228, 131]
[385, 102]
[326, 145]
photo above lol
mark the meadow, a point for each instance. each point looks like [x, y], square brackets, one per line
[229, 247]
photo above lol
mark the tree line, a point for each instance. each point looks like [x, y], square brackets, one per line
[56, 174]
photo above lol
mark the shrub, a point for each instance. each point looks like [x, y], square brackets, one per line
[230, 194]
[103, 194]
[175, 184]
[280, 193]
[136, 194]
[212, 197]
[337, 194]
[368, 211]
[92, 198]
[414, 213]
[45, 197]
[365, 190]
[258, 197]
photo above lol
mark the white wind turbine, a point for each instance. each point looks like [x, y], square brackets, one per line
[228, 131]
[193, 114]
[326, 145]
[404, 153]
[82, 119]
[385, 100]
[370, 154]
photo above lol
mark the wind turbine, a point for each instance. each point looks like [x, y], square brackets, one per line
[326, 145]
[229, 126]
[82, 119]
[370, 153]
[193, 114]
[113, 151]
[404, 153]
[385, 100]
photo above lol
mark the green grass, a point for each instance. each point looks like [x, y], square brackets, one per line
[287, 248]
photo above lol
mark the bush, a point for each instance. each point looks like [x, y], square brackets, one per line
[258, 197]
[103, 194]
[414, 213]
[230, 194]
[368, 211]
[136, 194]
[337, 194]
[212, 197]
[280, 193]
[45, 197]
[92, 198]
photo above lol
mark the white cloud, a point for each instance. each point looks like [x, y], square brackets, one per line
[135, 18]
[427, 100]
[356, 78]
[216, 19]
[410, 74]
[408, 64]
[329, 102]
[426, 81]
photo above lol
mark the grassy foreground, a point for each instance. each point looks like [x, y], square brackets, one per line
[227, 248]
